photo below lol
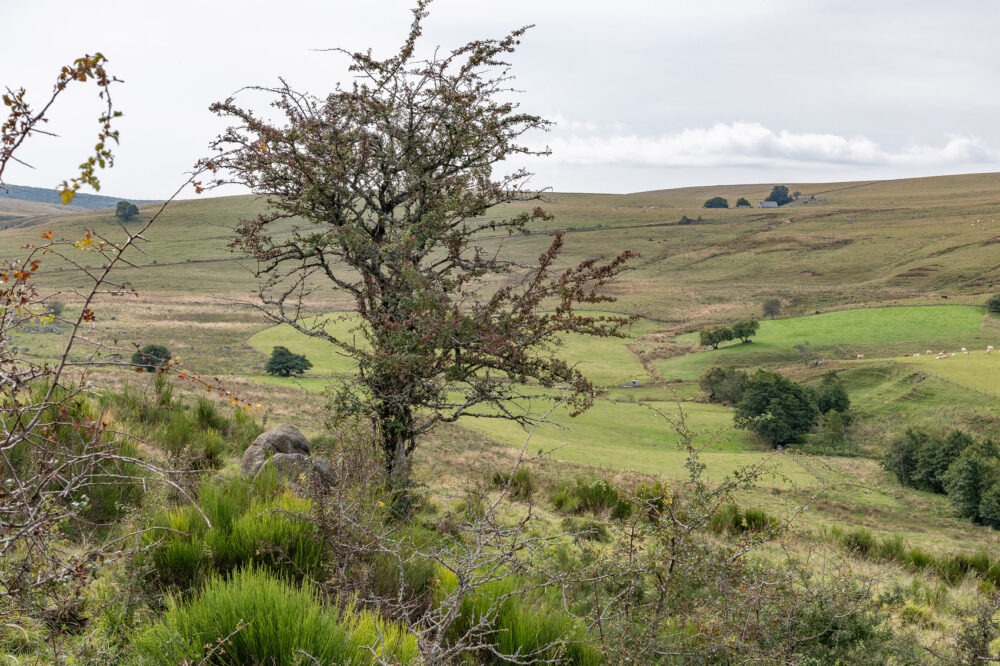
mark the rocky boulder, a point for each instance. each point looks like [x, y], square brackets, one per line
[287, 450]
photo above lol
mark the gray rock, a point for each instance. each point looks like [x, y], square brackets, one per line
[253, 459]
[287, 451]
[283, 439]
[299, 468]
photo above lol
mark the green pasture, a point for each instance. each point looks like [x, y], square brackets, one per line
[844, 334]
[606, 361]
[637, 437]
[978, 371]
[326, 359]
[619, 434]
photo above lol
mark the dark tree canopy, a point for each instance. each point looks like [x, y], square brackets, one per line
[284, 363]
[716, 202]
[779, 194]
[775, 408]
[393, 176]
[973, 473]
[723, 385]
[993, 303]
[151, 357]
[125, 211]
[742, 202]
[831, 394]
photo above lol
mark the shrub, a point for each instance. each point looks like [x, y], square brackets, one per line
[993, 303]
[254, 618]
[151, 358]
[716, 202]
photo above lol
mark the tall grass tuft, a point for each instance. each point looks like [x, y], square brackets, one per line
[523, 626]
[521, 485]
[596, 496]
[731, 519]
[860, 541]
[251, 523]
[252, 617]
[206, 415]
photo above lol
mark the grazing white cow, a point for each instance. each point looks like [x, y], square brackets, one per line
[860, 356]
[929, 352]
[989, 350]
[965, 352]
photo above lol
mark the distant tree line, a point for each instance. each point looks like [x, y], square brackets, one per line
[778, 410]
[713, 336]
[722, 202]
[956, 465]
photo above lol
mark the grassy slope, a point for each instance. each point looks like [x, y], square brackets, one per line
[898, 242]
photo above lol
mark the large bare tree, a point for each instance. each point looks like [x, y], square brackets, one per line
[394, 176]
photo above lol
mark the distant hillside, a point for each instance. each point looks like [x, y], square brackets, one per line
[842, 245]
[80, 202]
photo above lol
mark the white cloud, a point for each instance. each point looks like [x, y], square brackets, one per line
[749, 144]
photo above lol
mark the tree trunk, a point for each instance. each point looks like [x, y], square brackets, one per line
[395, 427]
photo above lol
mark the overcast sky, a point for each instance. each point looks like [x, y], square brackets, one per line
[647, 94]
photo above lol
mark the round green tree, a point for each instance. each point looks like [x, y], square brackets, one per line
[151, 358]
[993, 304]
[717, 202]
[125, 211]
[284, 363]
[779, 195]
[775, 408]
